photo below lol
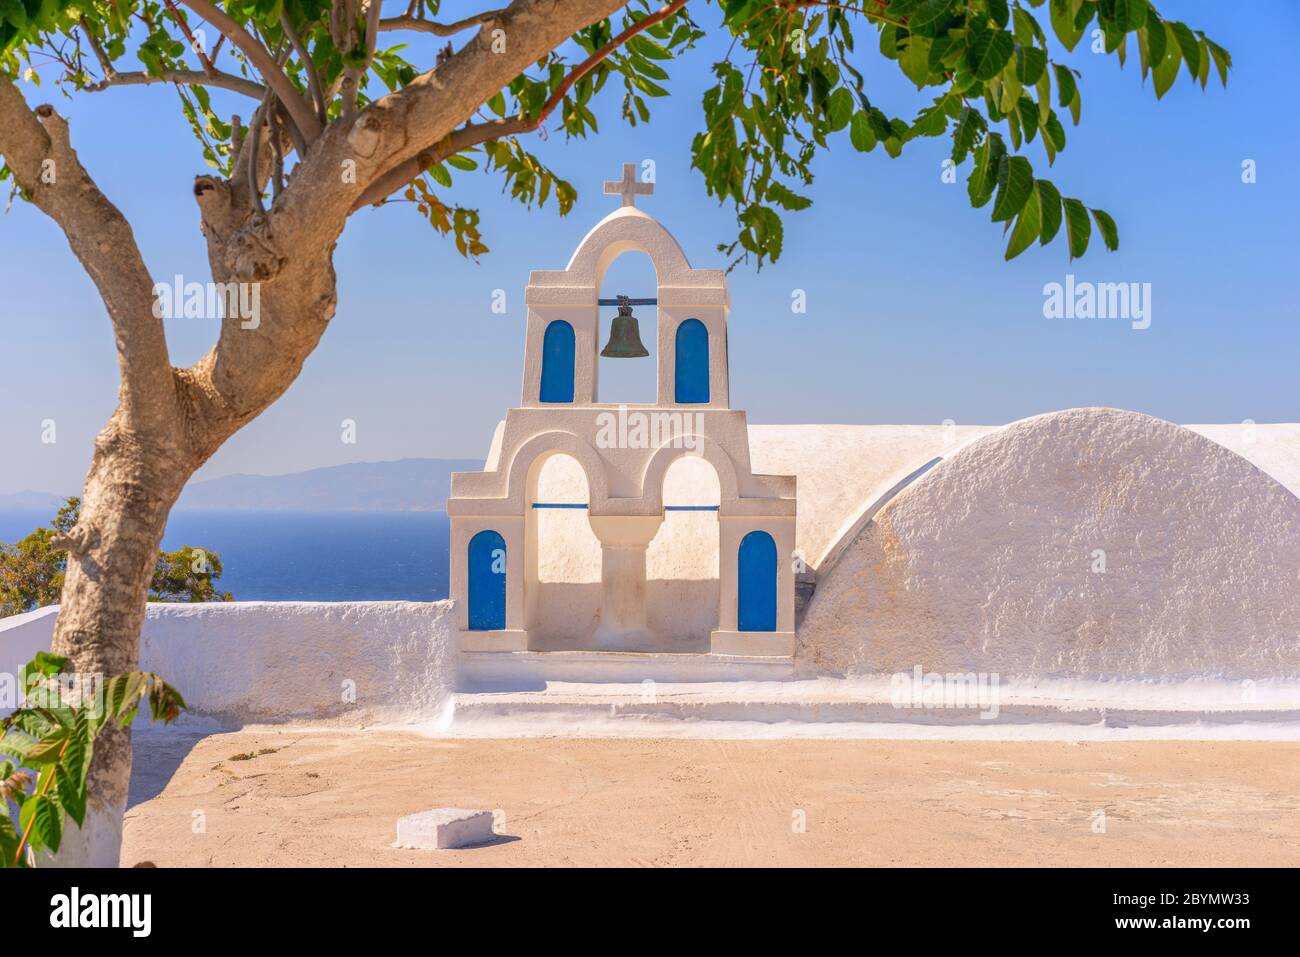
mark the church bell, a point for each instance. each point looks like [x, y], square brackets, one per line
[624, 335]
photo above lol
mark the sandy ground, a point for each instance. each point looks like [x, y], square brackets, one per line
[329, 797]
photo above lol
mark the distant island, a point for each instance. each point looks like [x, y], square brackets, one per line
[405, 485]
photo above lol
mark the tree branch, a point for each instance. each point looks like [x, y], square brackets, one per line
[204, 60]
[190, 77]
[420, 25]
[313, 78]
[272, 75]
[473, 134]
[462, 139]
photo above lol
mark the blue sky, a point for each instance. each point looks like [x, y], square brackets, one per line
[912, 315]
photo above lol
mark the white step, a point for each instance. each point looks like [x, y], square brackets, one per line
[532, 670]
[848, 708]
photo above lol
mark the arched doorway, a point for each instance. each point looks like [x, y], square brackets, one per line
[692, 363]
[756, 583]
[563, 556]
[487, 581]
[682, 560]
[557, 363]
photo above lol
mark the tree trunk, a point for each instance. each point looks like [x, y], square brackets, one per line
[129, 490]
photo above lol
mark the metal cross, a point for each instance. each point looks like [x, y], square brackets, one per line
[628, 187]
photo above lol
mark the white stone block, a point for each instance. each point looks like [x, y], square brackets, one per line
[443, 828]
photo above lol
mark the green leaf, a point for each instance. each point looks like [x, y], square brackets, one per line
[763, 233]
[16, 744]
[1015, 182]
[786, 198]
[649, 48]
[1054, 133]
[860, 133]
[989, 53]
[1028, 223]
[999, 12]
[1064, 23]
[47, 664]
[930, 14]
[983, 178]
[1030, 64]
[970, 124]
[646, 87]
[13, 13]
[1077, 227]
[1024, 26]
[915, 60]
[70, 773]
[1187, 45]
[1222, 60]
[1028, 111]
[1136, 15]
[1049, 208]
[889, 42]
[1044, 88]
[1152, 40]
[46, 751]
[9, 843]
[1106, 226]
[1164, 72]
[46, 818]
[840, 109]
[1067, 93]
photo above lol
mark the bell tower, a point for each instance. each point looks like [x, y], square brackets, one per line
[493, 513]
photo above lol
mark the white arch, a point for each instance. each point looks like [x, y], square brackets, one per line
[627, 230]
[652, 478]
[528, 459]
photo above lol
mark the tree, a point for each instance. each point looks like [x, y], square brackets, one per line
[339, 122]
[32, 569]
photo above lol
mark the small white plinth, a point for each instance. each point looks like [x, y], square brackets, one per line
[443, 828]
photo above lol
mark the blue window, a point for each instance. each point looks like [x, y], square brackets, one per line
[557, 363]
[692, 362]
[487, 581]
[756, 583]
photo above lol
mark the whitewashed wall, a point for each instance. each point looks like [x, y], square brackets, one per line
[257, 661]
[1090, 543]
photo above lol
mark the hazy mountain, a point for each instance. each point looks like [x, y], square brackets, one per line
[404, 485]
[33, 500]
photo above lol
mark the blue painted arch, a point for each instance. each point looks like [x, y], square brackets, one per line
[756, 583]
[692, 365]
[557, 362]
[487, 581]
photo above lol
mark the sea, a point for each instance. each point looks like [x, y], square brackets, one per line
[302, 555]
